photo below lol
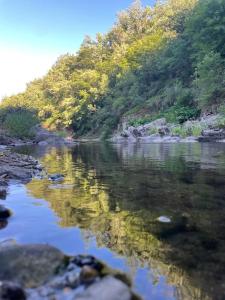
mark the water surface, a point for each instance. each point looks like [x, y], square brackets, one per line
[108, 206]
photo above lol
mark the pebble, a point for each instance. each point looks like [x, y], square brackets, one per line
[164, 219]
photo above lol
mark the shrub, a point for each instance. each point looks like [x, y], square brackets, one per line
[182, 114]
[20, 124]
[210, 80]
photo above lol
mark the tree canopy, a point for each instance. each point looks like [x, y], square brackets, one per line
[154, 59]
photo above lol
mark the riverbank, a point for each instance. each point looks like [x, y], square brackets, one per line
[206, 129]
[41, 137]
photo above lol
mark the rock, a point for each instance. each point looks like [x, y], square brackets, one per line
[108, 288]
[164, 219]
[210, 121]
[125, 134]
[56, 177]
[3, 193]
[88, 274]
[156, 123]
[43, 143]
[17, 166]
[3, 223]
[164, 130]
[212, 135]
[4, 212]
[30, 265]
[42, 272]
[11, 291]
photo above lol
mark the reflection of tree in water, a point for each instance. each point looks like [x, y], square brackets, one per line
[117, 198]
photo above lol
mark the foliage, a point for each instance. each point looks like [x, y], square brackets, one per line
[185, 131]
[210, 79]
[19, 123]
[167, 60]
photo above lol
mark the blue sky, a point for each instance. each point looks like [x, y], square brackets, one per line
[35, 32]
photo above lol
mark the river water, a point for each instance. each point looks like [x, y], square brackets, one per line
[109, 204]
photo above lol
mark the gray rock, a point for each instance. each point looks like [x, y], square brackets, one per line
[29, 265]
[108, 288]
[211, 135]
[17, 166]
[164, 130]
[43, 143]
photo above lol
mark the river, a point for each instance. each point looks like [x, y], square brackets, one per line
[109, 204]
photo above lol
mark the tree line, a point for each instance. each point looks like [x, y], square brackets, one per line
[167, 60]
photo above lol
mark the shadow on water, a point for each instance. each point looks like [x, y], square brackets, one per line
[117, 192]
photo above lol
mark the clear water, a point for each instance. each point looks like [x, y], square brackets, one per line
[108, 206]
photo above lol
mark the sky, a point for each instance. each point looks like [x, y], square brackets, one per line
[33, 33]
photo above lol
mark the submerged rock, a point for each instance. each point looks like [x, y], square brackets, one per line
[4, 213]
[164, 219]
[56, 177]
[3, 192]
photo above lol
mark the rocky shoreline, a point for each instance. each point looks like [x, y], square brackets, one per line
[14, 167]
[207, 129]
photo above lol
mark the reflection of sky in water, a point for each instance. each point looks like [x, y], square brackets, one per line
[34, 222]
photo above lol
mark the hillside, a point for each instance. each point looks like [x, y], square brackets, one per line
[166, 61]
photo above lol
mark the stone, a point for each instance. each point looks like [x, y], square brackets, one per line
[3, 193]
[56, 177]
[3, 223]
[17, 166]
[43, 272]
[11, 291]
[164, 219]
[108, 288]
[88, 274]
[30, 265]
[87, 260]
[4, 212]
[163, 130]
[212, 135]
[43, 143]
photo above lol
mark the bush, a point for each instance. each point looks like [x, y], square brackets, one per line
[209, 80]
[20, 124]
[182, 114]
[182, 131]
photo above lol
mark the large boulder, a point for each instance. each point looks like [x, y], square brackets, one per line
[29, 265]
[42, 272]
[212, 135]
